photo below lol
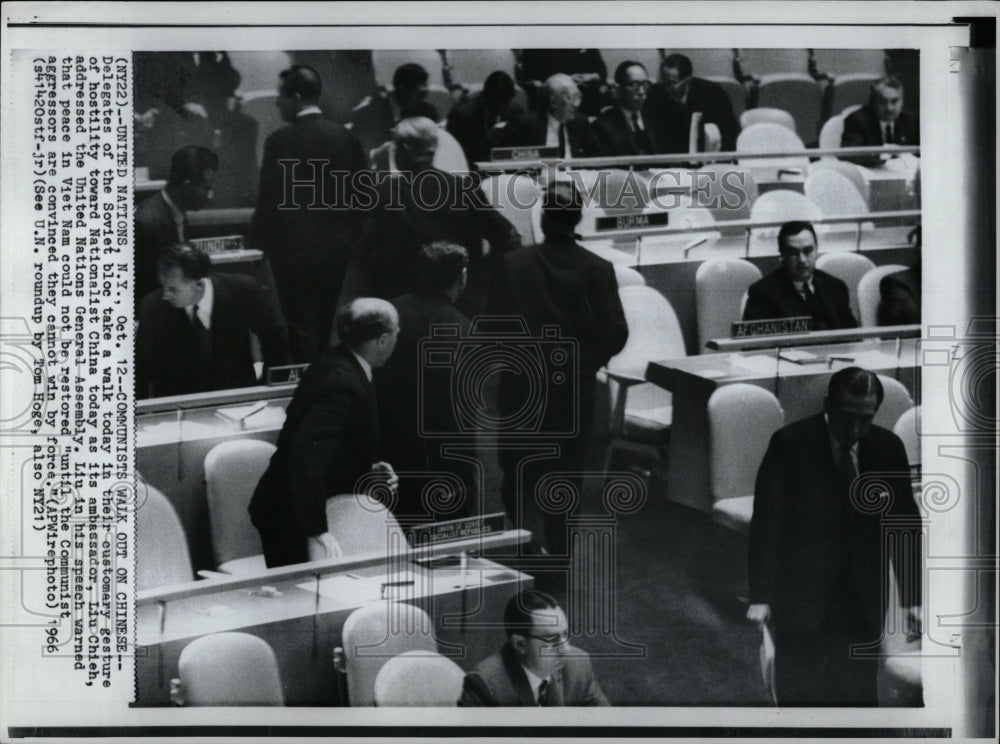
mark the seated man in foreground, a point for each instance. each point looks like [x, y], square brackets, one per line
[537, 666]
[797, 288]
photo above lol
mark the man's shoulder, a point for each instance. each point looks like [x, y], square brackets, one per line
[771, 280]
[822, 279]
[152, 305]
[611, 116]
[492, 667]
[858, 117]
[151, 209]
[313, 126]
[800, 431]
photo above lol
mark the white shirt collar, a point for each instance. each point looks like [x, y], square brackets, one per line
[364, 364]
[552, 135]
[308, 111]
[534, 680]
[204, 306]
[628, 117]
[800, 285]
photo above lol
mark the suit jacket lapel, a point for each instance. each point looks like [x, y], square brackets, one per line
[518, 679]
[222, 335]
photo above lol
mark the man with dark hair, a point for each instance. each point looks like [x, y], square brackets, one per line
[412, 402]
[899, 292]
[374, 118]
[797, 288]
[471, 120]
[194, 332]
[558, 123]
[329, 440]
[881, 122]
[695, 95]
[161, 219]
[634, 128]
[537, 666]
[832, 492]
[556, 283]
[421, 204]
[302, 220]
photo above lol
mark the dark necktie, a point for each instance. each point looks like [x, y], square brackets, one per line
[641, 140]
[543, 693]
[888, 134]
[813, 308]
[846, 468]
[202, 337]
[562, 140]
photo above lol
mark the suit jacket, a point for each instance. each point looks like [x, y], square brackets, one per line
[154, 229]
[666, 134]
[329, 440]
[863, 129]
[372, 120]
[304, 237]
[530, 130]
[805, 530]
[899, 303]
[164, 340]
[774, 296]
[467, 123]
[499, 680]
[445, 206]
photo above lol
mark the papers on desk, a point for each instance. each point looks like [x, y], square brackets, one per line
[353, 589]
[798, 356]
[754, 365]
[167, 432]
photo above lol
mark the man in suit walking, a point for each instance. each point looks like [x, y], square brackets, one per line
[471, 120]
[797, 288]
[881, 122]
[194, 332]
[696, 95]
[329, 440]
[303, 220]
[828, 491]
[635, 128]
[161, 219]
[537, 666]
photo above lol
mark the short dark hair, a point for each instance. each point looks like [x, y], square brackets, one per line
[409, 76]
[498, 86]
[189, 163]
[193, 263]
[357, 324]
[855, 381]
[794, 228]
[562, 204]
[517, 613]
[301, 80]
[623, 68]
[440, 264]
[679, 62]
[887, 81]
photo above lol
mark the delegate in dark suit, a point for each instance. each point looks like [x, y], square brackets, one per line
[327, 443]
[816, 558]
[662, 134]
[470, 123]
[775, 296]
[862, 128]
[530, 130]
[899, 297]
[167, 362]
[155, 228]
[307, 242]
[706, 97]
[500, 680]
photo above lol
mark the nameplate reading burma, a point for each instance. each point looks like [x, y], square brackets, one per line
[772, 327]
[631, 221]
[285, 375]
[524, 153]
[221, 244]
[456, 529]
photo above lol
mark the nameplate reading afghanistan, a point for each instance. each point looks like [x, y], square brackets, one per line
[772, 327]
[456, 529]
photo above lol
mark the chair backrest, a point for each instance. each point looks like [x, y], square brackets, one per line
[385, 62]
[907, 428]
[648, 58]
[361, 524]
[627, 276]
[441, 99]
[849, 268]
[831, 134]
[736, 92]
[767, 137]
[850, 171]
[780, 205]
[419, 678]
[798, 94]
[727, 191]
[767, 115]
[741, 420]
[375, 633]
[232, 471]
[761, 62]
[518, 198]
[162, 556]
[719, 287]
[230, 669]
[708, 62]
[449, 156]
[473, 66]
[260, 106]
[897, 401]
[868, 293]
[834, 193]
[653, 331]
[851, 90]
[840, 62]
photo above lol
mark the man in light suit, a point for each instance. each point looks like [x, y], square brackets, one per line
[881, 122]
[329, 439]
[797, 288]
[194, 332]
[537, 666]
[828, 490]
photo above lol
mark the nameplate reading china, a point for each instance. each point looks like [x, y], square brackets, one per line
[631, 221]
[285, 375]
[457, 529]
[524, 153]
[772, 326]
[221, 244]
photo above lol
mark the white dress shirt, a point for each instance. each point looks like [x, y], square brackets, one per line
[204, 306]
[364, 364]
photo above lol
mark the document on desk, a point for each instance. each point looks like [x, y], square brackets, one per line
[754, 365]
[353, 589]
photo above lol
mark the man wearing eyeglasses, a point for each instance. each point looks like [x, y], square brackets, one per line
[633, 127]
[537, 666]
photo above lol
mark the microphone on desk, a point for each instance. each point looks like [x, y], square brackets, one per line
[694, 244]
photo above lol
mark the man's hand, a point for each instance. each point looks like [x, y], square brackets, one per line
[913, 622]
[390, 477]
[323, 547]
[759, 613]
